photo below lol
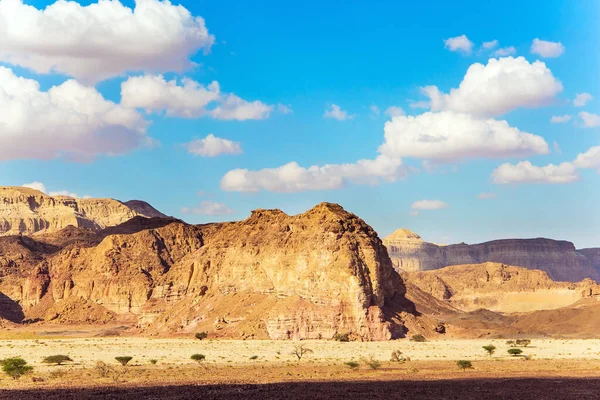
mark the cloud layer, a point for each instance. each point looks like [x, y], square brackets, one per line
[525, 172]
[212, 146]
[547, 49]
[460, 43]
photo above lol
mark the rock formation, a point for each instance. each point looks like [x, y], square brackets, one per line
[28, 211]
[271, 275]
[557, 258]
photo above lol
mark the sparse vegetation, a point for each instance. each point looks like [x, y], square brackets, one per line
[514, 352]
[398, 356]
[511, 343]
[102, 368]
[201, 335]
[523, 342]
[153, 361]
[341, 337]
[198, 358]
[124, 360]
[254, 357]
[300, 351]
[15, 367]
[490, 348]
[464, 364]
[352, 364]
[418, 338]
[372, 362]
[57, 359]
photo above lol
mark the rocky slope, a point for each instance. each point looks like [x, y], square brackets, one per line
[558, 259]
[28, 211]
[272, 275]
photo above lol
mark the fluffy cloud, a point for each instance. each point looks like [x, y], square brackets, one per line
[486, 196]
[394, 111]
[69, 120]
[101, 40]
[505, 51]
[498, 87]
[36, 186]
[448, 136]
[42, 188]
[212, 146]
[589, 120]
[490, 45]
[336, 112]
[560, 119]
[459, 43]
[188, 99]
[208, 207]
[292, 177]
[581, 99]
[525, 172]
[547, 49]
[589, 159]
[426, 205]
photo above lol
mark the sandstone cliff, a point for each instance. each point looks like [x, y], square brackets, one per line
[28, 211]
[558, 259]
[271, 275]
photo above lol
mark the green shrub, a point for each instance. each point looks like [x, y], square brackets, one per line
[514, 352]
[341, 337]
[15, 367]
[523, 342]
[464, 364]
[201, 335]
[57, 359]
[372, 362]
[490, 348]
[124, 359]
[418, 338]
[352, 364]
[198, 358]
[153, 361]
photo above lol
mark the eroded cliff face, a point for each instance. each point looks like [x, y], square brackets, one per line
[27, 211]
[271, 275]
[558, 259]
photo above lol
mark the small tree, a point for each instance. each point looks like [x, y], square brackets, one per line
[523, 342]
[15, 367]
[490, 348]
[352, 364]
[514, 352]
[57, 359]
[124, 359]
[372, 362]
[300, 351]
[341, 337]
[418, 338]
[464, 364]
[201, 335]
[198, 358]
[398, 356]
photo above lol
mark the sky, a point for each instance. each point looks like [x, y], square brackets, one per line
[461, 121]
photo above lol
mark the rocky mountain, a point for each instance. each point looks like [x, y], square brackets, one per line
[272, 275]
[559, 259]
[28, 211]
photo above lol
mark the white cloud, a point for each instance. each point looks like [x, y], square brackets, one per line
[336, 112]
[505, 51]
[547, 49]
[581, 99]
[556, 147]
[560, 119]
[291, 177]
[36, 186]
[189, 99]
[208, 207]
[394, 111]
[284, 109]
[589, 120]
[448, 136]
[375, 111]
[64, 193]
[420, 104]
[490, 45]
[496, 88]
[459, 43]
[426, 205]
[101, 40]
[486, 196]
[69, 120]
[42, 188]
[589, 159]
[212, 146]
[525, 172]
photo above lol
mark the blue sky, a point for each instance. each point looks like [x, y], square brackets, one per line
[309, 56]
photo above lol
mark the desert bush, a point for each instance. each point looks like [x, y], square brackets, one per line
[102, 368]
[198, 358]
[514, 352]
[300, 351]
[352, 364]
[523, 342]
[201, 335]
[124, 359]
[153, 361]
[373, 363]
[418, 338]
[253, 357]
[15, 367]
[57, 374]
[511, 343]
[56, 359]
[490, 348]
[464, 364]
[398, 356]
[342, 337]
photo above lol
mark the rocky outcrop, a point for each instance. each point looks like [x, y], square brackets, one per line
[557, 258]
[271, 275]
[27, 211]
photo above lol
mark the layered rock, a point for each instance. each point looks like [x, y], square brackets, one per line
[557, 258]
[28, 211]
